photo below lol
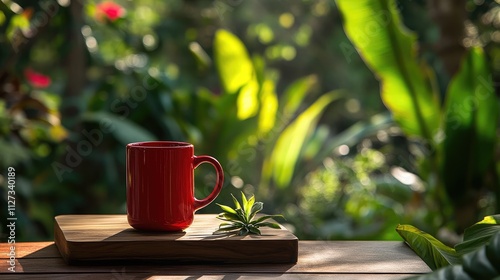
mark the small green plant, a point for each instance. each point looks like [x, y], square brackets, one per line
[240, 220]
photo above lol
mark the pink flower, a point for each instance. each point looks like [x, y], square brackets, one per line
[109, 10]
[37, 79]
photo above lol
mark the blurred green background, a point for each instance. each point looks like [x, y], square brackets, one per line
[347, 117]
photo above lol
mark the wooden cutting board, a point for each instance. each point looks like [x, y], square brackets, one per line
[92, 238]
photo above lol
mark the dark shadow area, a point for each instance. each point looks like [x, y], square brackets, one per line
[133, 233]
[46, 262]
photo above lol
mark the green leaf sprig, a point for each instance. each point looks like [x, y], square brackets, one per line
[240, 220]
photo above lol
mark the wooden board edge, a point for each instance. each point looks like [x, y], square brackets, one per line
[60, 241]
[295, 248]
[76, 254]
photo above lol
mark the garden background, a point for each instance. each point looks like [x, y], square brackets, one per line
[347, 118]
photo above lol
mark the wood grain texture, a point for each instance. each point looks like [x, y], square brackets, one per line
[316, 258]
[84, 238]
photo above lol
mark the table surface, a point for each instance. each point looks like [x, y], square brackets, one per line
[317, 260]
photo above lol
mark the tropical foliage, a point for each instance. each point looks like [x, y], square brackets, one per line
[476, 257]
[278, 93]
[459, 137]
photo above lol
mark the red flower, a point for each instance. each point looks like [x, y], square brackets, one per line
[37, 79]
[109, 10]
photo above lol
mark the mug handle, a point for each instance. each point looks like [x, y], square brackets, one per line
[197, 160]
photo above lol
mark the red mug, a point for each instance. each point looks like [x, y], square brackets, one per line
[160, 185]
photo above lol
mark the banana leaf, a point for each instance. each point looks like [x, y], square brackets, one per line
[236, 72]
[480, 264]
[375, 29]
[281, 164]
[479, 234]
[295, 94]
[269, 107]
[432, 251]
[470, 127]
[478, 252]
[240, 87]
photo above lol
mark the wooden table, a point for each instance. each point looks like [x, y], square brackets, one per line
[316, 260]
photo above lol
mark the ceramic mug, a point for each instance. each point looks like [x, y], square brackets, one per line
[160, 185]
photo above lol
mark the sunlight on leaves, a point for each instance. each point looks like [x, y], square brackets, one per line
[232, 61]
[479, 234]
[388, 48]
[432, 251]
[248, 102]
[269, 108]
[281, 165]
